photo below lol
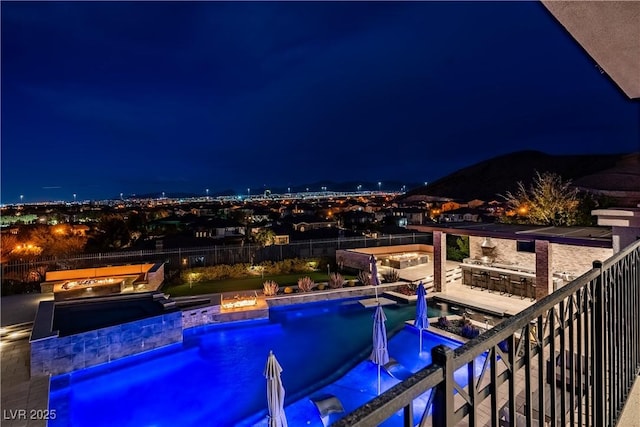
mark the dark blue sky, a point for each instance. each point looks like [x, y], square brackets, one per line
[110, 97]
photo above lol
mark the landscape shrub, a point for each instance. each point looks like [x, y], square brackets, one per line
[443, 322]
[242, 270]
[391, 275]
[305, 284]
[469, 331]
[270, 288]
[336, 281]
[364, 278]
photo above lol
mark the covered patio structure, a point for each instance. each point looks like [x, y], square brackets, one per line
[545, 257]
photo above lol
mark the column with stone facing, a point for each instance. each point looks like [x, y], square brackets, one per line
[439, 261]
[544, 275]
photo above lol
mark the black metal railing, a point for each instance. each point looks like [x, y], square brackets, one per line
[570, 359]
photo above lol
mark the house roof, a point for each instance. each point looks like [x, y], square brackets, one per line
[581, 236]
[609, 32]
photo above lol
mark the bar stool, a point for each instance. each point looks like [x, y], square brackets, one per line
[466, 277]
[475, 278]
[480, 279]
[484, 280]
[532, 289]
[516, 285]
[504, 283]
[494, 282]
[522, 286]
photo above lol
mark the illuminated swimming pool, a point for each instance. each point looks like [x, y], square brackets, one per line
[215, 377]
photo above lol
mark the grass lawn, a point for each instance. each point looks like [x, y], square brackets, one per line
[246, 284]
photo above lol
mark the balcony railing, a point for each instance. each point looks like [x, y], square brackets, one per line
[518, 375]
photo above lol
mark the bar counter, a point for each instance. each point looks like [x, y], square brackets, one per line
[512, 282]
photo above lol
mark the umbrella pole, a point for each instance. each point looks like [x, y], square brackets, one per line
[420, 332]
[378, 379]
[376, 289]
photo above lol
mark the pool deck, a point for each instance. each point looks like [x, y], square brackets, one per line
[20, 392]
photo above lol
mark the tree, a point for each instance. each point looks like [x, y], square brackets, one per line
[8, 242]
[461, 249]
[548, 201]
[59, 241]
[264, 237]
[111, 233]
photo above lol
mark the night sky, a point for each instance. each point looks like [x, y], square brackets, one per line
[111, 97]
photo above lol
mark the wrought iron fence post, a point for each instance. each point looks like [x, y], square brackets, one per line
[599, 347]
[443, 399]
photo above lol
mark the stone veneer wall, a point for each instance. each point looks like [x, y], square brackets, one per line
[504, 252]
[200, 316]
[315, 296]
[59, 355]
[577, 260]
[570, 258]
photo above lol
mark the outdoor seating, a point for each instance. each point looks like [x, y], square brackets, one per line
[475, 276]
[480, 279]
[518, 286]
[531, 286]
[466, 278]
[504, 283]
[499, 282]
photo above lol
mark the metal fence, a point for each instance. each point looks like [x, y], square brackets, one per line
[515, 373]
[34, 270]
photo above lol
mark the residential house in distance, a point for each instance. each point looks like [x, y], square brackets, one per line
[461, 215]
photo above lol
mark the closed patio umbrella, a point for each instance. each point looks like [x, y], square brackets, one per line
[421, 322]
[275, 392]
[374, 274]
[380, 354]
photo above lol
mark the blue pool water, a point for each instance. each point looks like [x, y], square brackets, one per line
[216, 376]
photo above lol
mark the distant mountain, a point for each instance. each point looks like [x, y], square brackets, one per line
[489, 178]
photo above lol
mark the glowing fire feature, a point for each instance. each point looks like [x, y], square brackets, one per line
[241, 301]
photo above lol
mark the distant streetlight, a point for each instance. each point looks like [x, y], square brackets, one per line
[359, 187]
[74, 197]
[21, 197]
[379, 186]
[288, 189]
[207, 191]
[121, 196]
[425, 183]
[163, 194]
[248, 192]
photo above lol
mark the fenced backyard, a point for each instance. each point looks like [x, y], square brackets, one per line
[33, 271]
